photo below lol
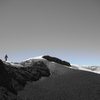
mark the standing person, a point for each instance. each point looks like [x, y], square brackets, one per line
[6, 57]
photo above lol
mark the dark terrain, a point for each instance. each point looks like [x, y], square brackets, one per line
[57, 60]
[45, 81]
[14, 79]
[72, 85]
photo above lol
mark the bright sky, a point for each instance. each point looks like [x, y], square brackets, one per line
[69, 29]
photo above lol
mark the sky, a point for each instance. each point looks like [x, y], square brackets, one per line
[68, 29]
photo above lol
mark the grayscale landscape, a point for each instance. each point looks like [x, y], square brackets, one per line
[48, 78]
[49, 49]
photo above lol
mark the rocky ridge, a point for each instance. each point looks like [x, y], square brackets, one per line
[14, 76]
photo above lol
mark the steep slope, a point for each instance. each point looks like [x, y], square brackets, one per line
[71, 85]
[63, 83]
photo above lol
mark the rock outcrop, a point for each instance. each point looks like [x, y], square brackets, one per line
[14, 79]
[57, 60]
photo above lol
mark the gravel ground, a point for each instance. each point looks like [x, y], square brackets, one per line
[72, 85]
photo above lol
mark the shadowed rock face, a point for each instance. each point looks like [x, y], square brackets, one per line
[6, 95]
[54, 59]
[14, 79]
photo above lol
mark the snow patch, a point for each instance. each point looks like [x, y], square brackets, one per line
[86, 68]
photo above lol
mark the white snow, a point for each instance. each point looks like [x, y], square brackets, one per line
[16, 64]
[86, 68]
[38, 57]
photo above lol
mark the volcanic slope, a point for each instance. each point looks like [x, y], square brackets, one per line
[63, 83]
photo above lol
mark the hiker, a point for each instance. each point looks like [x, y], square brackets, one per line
[6, 57]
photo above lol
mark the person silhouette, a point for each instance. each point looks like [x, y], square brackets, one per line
[6, 57]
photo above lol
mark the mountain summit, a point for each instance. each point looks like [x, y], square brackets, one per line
[14, 76]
